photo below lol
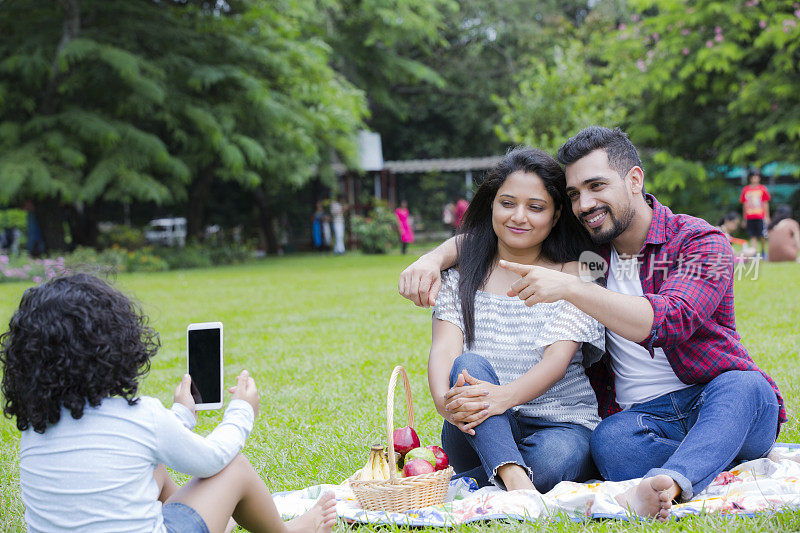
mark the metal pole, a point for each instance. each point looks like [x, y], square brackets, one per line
[468, 185]
[376, 178]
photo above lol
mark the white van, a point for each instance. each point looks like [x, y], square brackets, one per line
[166, 231]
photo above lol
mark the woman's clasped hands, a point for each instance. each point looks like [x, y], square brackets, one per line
[471, 401]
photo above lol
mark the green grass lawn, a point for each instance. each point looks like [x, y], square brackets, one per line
[321, 335]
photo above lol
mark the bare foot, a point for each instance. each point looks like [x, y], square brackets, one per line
[652, 497]
[515, 477]
[318, 519]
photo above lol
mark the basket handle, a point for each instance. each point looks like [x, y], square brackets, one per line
[398, 371]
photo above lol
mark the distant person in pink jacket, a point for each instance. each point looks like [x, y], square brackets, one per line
[404, 225]
[461, 208]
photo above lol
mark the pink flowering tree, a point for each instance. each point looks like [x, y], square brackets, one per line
[696, 83]
[720, 78]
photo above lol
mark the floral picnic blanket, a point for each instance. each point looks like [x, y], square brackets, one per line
[754, 487]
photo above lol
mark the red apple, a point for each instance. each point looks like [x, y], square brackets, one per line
[405, 440]
[416, 467]
[442, 461]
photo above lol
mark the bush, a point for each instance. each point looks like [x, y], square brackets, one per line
[145, 260]
[376, 232]
[122, 236]
[191, 256]
[117, 259]
[228, 255]
[84, 259]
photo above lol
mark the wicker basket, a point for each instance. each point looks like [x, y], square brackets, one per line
[401, 494]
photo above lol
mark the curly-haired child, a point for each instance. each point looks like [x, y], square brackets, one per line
[93, 453]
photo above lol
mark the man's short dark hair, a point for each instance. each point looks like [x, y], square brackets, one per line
[622, 155]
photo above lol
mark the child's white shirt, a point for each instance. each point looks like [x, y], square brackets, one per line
[96, 473]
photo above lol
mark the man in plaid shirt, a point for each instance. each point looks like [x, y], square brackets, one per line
[681, 398]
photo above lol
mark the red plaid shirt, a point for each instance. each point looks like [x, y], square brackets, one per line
[686, 268]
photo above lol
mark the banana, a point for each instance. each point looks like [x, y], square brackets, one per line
[377, 472]
[385, 466]
[366, 470]
[380, 466]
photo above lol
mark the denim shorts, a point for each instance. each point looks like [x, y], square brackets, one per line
[180, 518]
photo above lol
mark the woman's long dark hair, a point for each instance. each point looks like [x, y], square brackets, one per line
[73, 341]
[783, 211]
[478, 246]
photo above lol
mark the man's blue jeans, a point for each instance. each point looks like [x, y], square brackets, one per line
[691, 435]
[550, 451]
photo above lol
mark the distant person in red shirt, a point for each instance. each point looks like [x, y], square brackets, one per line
[461, 208]
[755, 208]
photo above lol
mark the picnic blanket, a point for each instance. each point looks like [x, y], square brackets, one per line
[755, 487]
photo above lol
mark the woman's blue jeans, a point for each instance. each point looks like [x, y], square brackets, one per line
[550, 451]
[692, 434]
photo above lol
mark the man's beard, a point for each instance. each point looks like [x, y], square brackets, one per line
[618, 225]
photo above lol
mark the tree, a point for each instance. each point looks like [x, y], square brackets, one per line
[151, 101]
[598, 76]
[59, 137]
[554, 98]
[565, 85]
[380, 45]
[483, 46]
[717, 81]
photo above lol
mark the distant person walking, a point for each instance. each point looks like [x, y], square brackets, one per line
[36, 246]
[461, 207]
[316, 227]
[449, 216]
[783, 236]
[337, 216]
[327, 234]
[755, 208]
[404, 225]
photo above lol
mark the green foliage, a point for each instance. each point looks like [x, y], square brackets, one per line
[696, 84]
[555, 97]
[13, 218]
[122, 236]
[145, 260]
[376, 232]
[85, 259]
[378, 44]
[154, 259]
[484, 45]
[191, 256]
[715, 82]
[150, 98]
[230, 254]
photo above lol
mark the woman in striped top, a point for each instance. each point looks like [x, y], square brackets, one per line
[509, 379]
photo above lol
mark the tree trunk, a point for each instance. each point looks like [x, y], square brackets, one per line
[49, 214]
[71, 28]
[82, 221]
[198, 196]
[266, 219]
